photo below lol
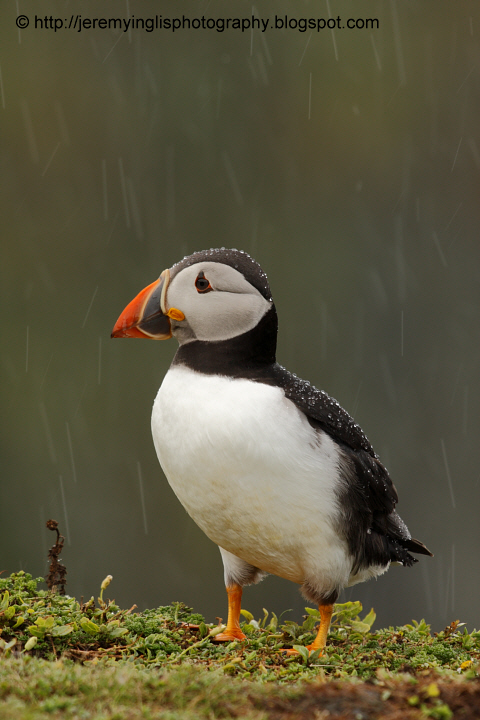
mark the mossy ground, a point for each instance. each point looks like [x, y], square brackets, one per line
[69, 659]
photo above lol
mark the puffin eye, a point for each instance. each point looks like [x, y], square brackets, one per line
[202, 284]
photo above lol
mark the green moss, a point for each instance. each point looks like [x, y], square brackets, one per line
[32, 688]
[41, 624]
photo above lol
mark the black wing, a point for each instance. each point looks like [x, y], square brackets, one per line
[374, 532]
[323, 410]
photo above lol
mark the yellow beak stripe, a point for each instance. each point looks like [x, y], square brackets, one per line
[175, 314]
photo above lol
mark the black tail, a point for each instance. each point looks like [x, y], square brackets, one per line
[416, 546]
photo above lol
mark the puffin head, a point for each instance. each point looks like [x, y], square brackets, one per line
[212, 295]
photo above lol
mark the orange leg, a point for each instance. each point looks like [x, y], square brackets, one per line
[321, 640]
[325, 617]
[232, 631]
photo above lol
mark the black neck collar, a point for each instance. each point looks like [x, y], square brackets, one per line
[246, 355]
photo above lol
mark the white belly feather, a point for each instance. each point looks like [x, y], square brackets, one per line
[253, 474]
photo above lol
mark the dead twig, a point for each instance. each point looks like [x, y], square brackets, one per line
[56, 575]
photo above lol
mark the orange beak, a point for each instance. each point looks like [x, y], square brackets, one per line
[146, 315]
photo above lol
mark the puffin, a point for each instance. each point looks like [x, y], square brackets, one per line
[272, 469]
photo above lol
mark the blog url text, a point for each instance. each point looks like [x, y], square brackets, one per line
[78, 23]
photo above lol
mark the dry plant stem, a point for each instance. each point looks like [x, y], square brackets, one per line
[56, 574]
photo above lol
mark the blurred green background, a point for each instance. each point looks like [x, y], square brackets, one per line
[347, 163]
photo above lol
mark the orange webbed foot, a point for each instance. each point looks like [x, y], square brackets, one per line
[320, 641]
[229, 636]
[232, 630]
[293, 652]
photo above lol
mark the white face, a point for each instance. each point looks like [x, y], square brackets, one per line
[231, 307]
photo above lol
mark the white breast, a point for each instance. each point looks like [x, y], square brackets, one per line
[253, 474]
